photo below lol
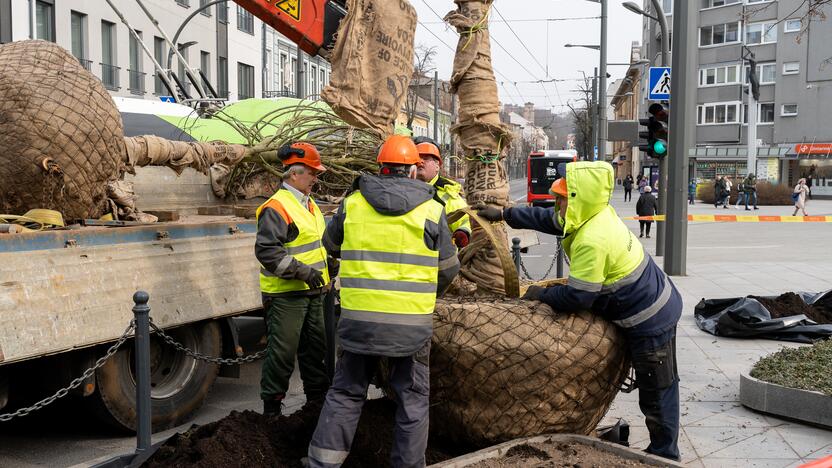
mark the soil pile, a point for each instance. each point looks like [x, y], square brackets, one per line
[558, 454]
[251, 439]
[789, 304]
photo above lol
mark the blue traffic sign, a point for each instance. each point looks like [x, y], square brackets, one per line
[167, 99]
[659, 84]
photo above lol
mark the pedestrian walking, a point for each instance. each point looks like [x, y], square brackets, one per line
[612, 275]
[294, 276]
[810, 180]
[397, 256]
[448, 191]
[646, 206]
[641, 184]
[726, 195]
[628, 188]
[719, 191]
[801, 191]
[750, 186]
[740, 194]
[691, 192]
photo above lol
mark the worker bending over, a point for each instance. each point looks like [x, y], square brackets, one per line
[611, 275]
[449, 191]
[396, 257]
[293, 279]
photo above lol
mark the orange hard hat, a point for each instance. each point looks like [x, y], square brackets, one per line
[398, 149]
[301, 153]
[429, 149]
[559, 188]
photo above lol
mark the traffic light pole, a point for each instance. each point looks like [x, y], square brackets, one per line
[682, 131]
[660, 227]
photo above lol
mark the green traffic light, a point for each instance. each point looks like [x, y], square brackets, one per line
[659, 148]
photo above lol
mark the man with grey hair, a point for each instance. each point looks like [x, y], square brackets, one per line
[294, 276]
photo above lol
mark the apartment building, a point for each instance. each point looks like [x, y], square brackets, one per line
[795, 74]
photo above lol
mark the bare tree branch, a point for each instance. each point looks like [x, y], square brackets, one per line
[422, 65]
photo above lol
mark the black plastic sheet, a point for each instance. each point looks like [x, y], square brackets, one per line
[744, 317]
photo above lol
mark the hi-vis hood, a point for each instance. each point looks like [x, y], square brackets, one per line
[590, 186]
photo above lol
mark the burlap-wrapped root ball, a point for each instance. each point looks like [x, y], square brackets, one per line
[61, 136]
[510, 368]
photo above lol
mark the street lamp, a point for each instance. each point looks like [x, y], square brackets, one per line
[587, 46]
[637, 10]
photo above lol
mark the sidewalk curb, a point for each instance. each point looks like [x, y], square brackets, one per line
[791, 403]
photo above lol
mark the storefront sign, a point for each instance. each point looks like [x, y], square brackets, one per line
[813, 148]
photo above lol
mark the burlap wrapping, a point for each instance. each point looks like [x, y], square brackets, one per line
[150, 150]
[372, 63]
[506, 368]
[60, 133]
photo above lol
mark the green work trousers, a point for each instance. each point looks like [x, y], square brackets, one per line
[295, 326]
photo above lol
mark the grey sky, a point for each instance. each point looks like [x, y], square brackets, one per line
[624, 27]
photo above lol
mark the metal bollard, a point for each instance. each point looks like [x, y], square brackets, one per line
[515, 253]
[329, 331]
[141, 311]
[559, 253]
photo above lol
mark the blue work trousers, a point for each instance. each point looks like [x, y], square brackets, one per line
[654, 360]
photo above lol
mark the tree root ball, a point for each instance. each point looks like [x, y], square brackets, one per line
[60, 131]
[509, 368]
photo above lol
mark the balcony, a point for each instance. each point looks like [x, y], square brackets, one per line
[136, 82]
[278, 94]
[87, 64]
[109, 76]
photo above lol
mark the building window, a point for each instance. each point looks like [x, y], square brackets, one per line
[293, 73]
[222, 77]
[109, 71]
[245, 81]
[284, 73]
[184, 3]
[323, 81]
[792, 25]
[719, 3]
[765, 113]
[761, 33]
[78, 33]
[718, 113]
[766, 73]
[719, 34]
[667, 6]
[135, 70]
[182, 72]
[204, 11]
[222, 12]
[205, 64]
[45, 20]
[791, 68]
[245, 21]
[313, 80]
[719, 76]
[788, 110]
[159, 55]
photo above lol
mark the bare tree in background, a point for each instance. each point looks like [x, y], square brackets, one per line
[581, 118]
[422, 66]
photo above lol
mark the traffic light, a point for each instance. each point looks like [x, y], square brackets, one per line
[653, 140]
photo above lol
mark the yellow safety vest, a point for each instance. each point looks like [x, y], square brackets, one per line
[451, 194]
[388, 274]
[306, 248]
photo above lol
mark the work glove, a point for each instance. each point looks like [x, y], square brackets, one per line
[461, 239]
[313, 278]
[490, 213]
[534, 293]
[334, 266]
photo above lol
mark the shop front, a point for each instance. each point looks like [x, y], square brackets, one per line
[814, 163]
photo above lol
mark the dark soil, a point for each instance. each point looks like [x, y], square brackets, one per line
[251, 439]
[789, 304]
[558, 455]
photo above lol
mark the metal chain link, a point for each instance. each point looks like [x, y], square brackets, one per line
[545, 275]
[75, 383]
[201, 357]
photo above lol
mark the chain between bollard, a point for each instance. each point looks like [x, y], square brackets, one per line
[545, 275]
[75, 383]
[201, 357]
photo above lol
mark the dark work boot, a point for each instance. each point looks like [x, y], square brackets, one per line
[272, 408]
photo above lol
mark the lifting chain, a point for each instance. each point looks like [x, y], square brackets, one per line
[75, 383]
[201, 357]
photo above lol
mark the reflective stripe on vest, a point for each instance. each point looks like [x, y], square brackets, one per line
[306, 248]
[650, 311]
[453, 202]
[388, 274]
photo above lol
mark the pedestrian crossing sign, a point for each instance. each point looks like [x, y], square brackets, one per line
[659, 84]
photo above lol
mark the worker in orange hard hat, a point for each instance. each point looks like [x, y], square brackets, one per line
[294, 276]
[397, 257]
[448, 191]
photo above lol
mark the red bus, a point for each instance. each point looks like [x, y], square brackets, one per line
[541, 171]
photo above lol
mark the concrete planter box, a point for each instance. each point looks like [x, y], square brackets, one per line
[790, 403]
[498, 451]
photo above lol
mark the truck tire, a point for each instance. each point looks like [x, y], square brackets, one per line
[179, 384]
